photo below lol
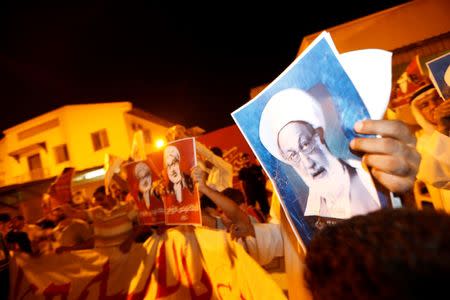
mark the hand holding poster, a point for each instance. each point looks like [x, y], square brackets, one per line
[182, 199]
[300, 127]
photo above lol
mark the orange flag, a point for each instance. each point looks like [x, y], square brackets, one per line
[138, 146]
[61, 189]
[111, 167]
[411, 80]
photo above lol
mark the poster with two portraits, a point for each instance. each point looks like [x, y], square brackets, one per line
[162, 187]
[300, 127]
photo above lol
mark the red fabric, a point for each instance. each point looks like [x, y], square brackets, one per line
[186, 212]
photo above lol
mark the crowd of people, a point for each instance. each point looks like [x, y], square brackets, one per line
[109, 217]
[391, 253]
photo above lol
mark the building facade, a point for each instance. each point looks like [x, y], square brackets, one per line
[34, 152]
[76, 136]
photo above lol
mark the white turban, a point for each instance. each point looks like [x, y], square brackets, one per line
[140, 166]
[171, 151]
[286, 106]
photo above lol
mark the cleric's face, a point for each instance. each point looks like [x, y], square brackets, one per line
[145, 179]
[300, 145]
[173, 169]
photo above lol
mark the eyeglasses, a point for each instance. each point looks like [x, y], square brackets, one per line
[305, 147]
[173, 163]
[143, 176]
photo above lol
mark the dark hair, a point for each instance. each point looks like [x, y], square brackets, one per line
[100, 189]
[217, 151]
[235, 195]
[19, 218]
[4, 217]
[387, 254]
[421, 90]
[46, 224]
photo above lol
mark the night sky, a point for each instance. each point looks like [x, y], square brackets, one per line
[189, 63]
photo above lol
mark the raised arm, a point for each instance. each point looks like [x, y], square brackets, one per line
[241, 223]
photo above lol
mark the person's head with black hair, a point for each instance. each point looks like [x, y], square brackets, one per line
[235, 195]
[100, 189]
[210, 212]
[17, 222]
[101, 199]
[217, 151]
[387, 254]
[205, 202]
[46, 223]
[5, 218]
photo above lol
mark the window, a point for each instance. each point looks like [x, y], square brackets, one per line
[35, 166]
[61, 153]
[145, 132]
[147, 136]
[136, 127]
[99, 139]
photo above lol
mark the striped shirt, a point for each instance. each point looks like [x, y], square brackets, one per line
[112, 227]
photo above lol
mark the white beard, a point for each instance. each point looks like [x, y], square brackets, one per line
[334, 170]
[178, 187]
[146, 195]
[334, 188]
[337, 182]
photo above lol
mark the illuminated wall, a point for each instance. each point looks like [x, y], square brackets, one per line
[35, 136]
[392, 28]
[75, 135]
[82, 121]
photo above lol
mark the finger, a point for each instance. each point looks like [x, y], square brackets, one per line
[444, 104]
[442, 109]
[442, 113]
[396, 184]
[386, 128]
[388, 164]
[379, 146]
[394, 152]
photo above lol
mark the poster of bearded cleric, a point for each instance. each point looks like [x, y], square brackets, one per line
[300, 127]
[181, 196]
[150, 204]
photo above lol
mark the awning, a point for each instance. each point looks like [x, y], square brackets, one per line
[18, 153]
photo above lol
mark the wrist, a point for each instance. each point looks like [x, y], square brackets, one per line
[202, 187]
